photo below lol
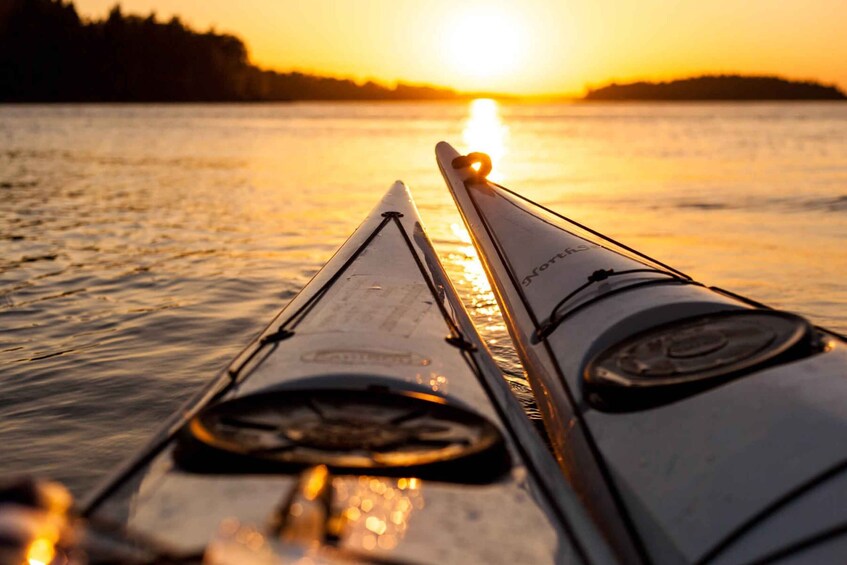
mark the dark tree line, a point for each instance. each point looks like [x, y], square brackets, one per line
[48, 53]
[719, 87]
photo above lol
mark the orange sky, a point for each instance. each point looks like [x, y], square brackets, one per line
[526, 47]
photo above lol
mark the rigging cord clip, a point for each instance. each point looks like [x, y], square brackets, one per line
[600, 275]
[277, 336]
[460, 342]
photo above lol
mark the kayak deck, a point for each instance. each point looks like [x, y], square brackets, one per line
[739, 457]
[374, 373]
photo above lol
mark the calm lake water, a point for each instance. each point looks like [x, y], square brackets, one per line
[142, 246]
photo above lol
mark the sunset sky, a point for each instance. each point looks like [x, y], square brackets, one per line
[527, 47]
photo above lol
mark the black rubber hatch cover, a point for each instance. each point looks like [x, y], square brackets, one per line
[675, 360]
[377, 432]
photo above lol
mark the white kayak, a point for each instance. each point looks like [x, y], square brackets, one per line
[367, 423]
[698, 426]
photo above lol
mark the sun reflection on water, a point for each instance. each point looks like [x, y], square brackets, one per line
[436, 381]
[485, 132]
[41, 551]
[367, 513]
[486, 313]
[472, 271]
[376, 510]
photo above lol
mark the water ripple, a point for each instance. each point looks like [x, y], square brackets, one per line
[143, 246]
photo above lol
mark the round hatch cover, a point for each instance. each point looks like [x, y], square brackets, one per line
[664, 363]
[361, 431]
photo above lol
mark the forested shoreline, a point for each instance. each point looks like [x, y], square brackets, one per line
[49, 54]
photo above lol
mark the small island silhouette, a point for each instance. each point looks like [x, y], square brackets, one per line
[719, 87]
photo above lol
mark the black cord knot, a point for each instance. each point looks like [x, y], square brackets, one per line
[600, 275]
[392, 214]
[471, 159]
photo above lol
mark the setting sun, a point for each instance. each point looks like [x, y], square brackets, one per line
[543, 47]
[484, 44]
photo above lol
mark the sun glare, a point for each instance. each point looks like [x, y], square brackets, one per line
[484, 131]
[484, 44]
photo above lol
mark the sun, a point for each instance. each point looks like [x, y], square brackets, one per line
[484, 44]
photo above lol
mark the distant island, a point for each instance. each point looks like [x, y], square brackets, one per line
[49, 54]
[718, 87]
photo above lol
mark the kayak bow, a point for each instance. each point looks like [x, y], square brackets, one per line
[367, 423]
[696, 425]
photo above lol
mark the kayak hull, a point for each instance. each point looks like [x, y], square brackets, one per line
[702, 472]
[375, 374]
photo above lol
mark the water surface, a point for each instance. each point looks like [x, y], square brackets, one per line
[142, 246]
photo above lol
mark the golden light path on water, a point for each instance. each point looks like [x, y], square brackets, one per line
[484, 131]
[473, 277]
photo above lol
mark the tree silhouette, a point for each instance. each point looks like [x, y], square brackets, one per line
[47, 53]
